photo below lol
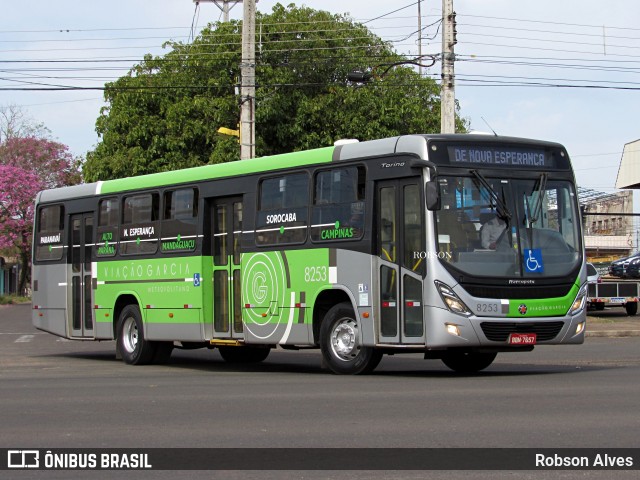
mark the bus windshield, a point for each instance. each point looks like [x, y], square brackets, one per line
[506, 227]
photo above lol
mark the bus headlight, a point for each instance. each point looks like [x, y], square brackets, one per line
[451, 300]
[452, 329]
[580, 301]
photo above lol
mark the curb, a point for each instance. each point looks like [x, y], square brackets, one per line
[614, 333]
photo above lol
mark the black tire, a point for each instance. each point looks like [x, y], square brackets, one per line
[163, 352]
[599, 306]
[244, 354]
[631, 308]
[133, 347]
[468, 362]
[339, 342]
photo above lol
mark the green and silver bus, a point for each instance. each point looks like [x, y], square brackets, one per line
[360, 249]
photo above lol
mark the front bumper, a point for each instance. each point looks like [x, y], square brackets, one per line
[445, 330]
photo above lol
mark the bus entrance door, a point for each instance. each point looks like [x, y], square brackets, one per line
[226, 225]
[81, 311]
[401, 252]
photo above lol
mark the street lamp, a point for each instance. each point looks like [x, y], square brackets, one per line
[364, 77]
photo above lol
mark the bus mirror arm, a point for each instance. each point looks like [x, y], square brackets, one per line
[419, 163]
[432, 187]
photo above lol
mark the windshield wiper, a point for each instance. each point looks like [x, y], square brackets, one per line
[503, 211]
[542, 187]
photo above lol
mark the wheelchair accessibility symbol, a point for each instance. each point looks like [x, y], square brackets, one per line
[533, 260]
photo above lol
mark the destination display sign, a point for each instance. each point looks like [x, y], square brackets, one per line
[500, 156]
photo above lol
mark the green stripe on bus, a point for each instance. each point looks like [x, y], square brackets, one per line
[543, 307]
[221, 170]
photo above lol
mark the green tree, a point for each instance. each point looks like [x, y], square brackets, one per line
[166, 112]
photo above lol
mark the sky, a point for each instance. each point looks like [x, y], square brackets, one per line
[561, 70]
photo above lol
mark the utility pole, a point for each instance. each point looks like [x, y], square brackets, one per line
[222, 5]
[447, 95]
[420, 36]
[247, 75]
[248, 82]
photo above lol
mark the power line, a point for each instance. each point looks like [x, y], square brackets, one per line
[386, 16]
[565, 65]
[485, 35]
[392, 12]
[497, 83]
[546, 79]
[554, 32]
[471, 79]
[266, 34]
[548, 22]
[285, 23]
[559, 50]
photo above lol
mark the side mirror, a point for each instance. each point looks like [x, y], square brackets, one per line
[433, 195]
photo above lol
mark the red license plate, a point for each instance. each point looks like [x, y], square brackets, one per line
[522, 339]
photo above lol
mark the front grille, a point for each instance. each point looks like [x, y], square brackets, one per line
[500, 331]
[523, 292]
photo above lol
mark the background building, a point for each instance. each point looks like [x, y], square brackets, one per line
[9, 271]
[629, 170]
[609, 227]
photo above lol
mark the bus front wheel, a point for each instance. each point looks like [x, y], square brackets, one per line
[468, 362]
[132, 345]
[340, 343]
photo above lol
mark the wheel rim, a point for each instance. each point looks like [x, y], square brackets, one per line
[130, 335]
[344, 340]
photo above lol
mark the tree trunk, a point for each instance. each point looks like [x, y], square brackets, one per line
[25, 273]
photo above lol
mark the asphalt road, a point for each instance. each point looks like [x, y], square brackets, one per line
[64, 394]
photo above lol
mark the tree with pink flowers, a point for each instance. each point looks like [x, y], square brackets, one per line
[18, 189]
[49, 160]
[28, 165]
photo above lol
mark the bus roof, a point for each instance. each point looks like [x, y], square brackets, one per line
[409, 144]
[189, 175]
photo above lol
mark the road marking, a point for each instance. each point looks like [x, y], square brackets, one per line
[24, 339]
[22, 333]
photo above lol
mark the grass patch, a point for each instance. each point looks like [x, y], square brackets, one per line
[13, 300]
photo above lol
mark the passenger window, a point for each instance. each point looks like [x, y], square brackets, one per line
[49, 235]
[414, 240]
[107, 240]
[139, 232]
[283, 211]
[387, 227]
[179, 224]
[338, 205]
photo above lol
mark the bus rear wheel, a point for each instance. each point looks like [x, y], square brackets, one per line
[468, 362]
[340, 343]
[244, 354]
[132, 345]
